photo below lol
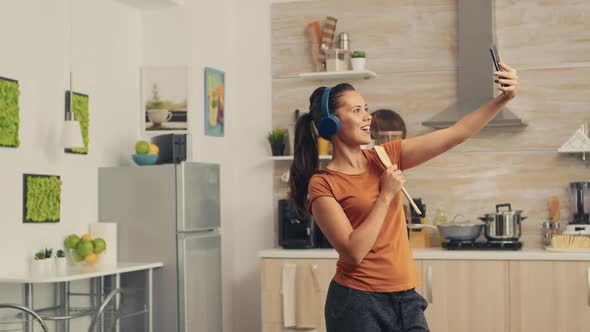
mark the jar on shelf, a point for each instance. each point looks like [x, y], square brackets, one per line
[385, 136]
[337, 59]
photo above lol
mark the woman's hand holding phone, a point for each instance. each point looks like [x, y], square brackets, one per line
[505, 75]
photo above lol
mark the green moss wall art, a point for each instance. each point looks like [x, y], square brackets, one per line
[9, 112]
[42, 198]
[80, 108]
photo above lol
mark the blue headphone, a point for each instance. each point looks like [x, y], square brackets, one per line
[329, 124]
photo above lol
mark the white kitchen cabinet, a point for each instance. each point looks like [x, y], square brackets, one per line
[549, 296]
[466, 295]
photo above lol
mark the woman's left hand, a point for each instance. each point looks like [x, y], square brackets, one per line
[507, 79]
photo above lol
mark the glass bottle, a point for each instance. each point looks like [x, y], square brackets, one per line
[440, 218]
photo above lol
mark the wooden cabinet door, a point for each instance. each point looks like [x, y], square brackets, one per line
[312, 280]
[466, 295]
[549, 296]
[420, 288]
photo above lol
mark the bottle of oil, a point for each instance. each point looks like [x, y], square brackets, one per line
[440, 218]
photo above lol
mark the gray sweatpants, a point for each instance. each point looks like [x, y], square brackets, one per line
[352, 310]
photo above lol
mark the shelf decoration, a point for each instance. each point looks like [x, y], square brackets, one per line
[80, 108]
[9, 112]
[41, 198]
[579, 142]
[164, 95]
[214, 102]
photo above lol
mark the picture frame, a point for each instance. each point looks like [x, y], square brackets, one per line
[164, 99]
[47, 209]
[214, 108]
[9, 113]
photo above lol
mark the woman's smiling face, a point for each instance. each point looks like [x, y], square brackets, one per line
[355, 121]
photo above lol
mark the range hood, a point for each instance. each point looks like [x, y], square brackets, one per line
[475, 67]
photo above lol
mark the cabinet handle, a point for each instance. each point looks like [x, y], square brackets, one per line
[589, 286]
[316, 279]
[429, 284]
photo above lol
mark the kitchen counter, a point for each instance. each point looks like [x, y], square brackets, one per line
[78, 273]
[525, 254]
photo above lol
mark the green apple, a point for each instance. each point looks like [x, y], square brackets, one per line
[99, 245]
[71, 242]
[84, 248]
[142, 147]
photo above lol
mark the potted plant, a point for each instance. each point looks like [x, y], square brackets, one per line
[61, 263]
[276, 138]
[358, 60]
[41, 264]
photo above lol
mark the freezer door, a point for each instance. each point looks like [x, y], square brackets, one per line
[197, 186]
[199, 267]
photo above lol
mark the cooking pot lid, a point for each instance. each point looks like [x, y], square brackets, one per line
[504, 213]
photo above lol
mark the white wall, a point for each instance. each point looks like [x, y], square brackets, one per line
[110, 42]
[104, 52]
[36, 52]
[233, 36]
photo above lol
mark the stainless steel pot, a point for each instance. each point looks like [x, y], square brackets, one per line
[503, 226]
[468, 231]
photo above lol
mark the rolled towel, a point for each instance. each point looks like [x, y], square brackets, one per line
[288, 294]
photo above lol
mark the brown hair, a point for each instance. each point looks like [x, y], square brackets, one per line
[306, 159]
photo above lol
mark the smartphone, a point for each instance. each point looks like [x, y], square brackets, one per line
[495, 59]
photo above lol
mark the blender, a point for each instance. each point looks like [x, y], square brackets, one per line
[580, 224]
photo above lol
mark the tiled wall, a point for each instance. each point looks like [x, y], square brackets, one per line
[412, 46]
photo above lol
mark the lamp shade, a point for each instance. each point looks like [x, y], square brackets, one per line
[72, 135]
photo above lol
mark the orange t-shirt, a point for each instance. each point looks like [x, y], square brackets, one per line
[389, 265]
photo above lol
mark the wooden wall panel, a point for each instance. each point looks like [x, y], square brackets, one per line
[412, 47]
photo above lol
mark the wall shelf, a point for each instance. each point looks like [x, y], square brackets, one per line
[152, 4]
[322, 157]
[337, 75]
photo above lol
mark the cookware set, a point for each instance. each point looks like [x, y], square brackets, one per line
[501, 226]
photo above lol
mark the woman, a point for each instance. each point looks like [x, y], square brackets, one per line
[358, 206]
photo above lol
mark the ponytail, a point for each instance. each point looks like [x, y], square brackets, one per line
[305, 162]
[306, 159]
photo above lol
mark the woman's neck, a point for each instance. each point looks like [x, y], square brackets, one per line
[347, 159]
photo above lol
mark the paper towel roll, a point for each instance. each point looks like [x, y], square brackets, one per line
[108, 232]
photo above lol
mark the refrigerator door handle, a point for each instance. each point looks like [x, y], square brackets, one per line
[198, 234]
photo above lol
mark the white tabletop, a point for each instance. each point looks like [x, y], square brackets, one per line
[439, 253]
[78, 273]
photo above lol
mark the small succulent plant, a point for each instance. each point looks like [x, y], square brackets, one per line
[60, 253]
[276, 136]
[43, 254]
[358, 54]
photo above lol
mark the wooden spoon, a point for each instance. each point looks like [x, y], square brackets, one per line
[554, 208]
[385, 160]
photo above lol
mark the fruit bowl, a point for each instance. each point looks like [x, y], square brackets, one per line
[74, 259]
[145, 159]
[83, 250]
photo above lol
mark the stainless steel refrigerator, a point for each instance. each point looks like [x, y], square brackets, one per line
[170, 213]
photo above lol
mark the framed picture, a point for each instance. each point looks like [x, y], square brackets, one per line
[41, 198]
[164, 92]
[9, 112]
[214, 101]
